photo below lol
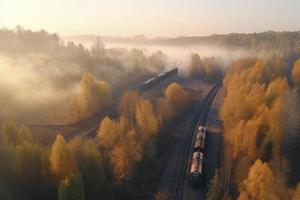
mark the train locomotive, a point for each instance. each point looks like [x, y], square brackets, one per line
[196, 172]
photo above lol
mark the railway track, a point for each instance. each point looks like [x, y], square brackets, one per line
[199, 117]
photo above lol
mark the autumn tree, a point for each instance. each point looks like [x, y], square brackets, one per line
[127, 107]
[24, 134]
[145, 118]
[163, 110]
[259, 184]
[255, 107]
[108, 132]
[90, 164]
[71, 188]
[195, 66]
[123, 158]
[291, 140]
[212, 69]
[296, 194]
[27, 167]
[215, 188]
[253, 115]
[9, 134]
[62, 161]
[93, 96]
[12, 135]
[177, 97]
[296, 72]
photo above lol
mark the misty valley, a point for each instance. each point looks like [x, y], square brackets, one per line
[89, 114]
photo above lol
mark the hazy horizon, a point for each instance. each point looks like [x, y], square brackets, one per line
[151, 18]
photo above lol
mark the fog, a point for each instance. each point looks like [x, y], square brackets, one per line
[177, 55]
[182, 54]
[39, 73]
[32, 86]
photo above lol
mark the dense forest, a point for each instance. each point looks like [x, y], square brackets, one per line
[112, 165]
[260, 115]
[109, 166]
[70, 83]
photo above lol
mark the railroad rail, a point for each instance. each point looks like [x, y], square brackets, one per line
[199, 117]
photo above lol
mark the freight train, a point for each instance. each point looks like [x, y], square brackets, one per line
[196, 172]
[158, 78]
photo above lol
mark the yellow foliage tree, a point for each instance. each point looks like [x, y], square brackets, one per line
[108, 132]
[259, 184]
[24, 134]
[145, 118]
[9, 133]
[124, 156]
[164, 110]
[296, 72]
[127, 107]
[252, 111]
[296, 195]
[176, 96]
[93, 96]
[62, 161]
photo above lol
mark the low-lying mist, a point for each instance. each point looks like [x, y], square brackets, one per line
[40, 73]
[176, 54]
[32, 87]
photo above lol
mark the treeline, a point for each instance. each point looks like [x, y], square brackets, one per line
[259, 113]
[270, 40]
[113, 165]
[37, 59]
[24, 41]
[257, 41]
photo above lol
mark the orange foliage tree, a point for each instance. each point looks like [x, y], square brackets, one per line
[296, 72]
[62, 161]
[176, 96]
[93, 96]
[145, 119]
[259, 184]
[252, 114]
[127, 107]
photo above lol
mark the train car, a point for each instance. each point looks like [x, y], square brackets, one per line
[160, 77]
[147, 84]
[203, 141]
[196, 172]
[200, 139]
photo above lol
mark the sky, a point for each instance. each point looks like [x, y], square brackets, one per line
[155, 18]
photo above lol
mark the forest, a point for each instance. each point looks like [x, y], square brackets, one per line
[261, 41]
[69, 83]
[108, 166]
[260, 115]
[50, 73]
